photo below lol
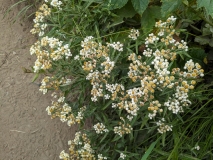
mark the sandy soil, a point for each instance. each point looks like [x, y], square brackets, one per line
[26, 131]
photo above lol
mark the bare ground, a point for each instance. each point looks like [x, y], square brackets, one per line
[26, 131]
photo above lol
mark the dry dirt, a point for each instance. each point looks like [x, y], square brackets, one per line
[26, 131]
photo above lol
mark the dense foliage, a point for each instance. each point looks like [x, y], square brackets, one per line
[141, 70]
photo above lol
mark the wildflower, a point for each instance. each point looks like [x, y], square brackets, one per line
[122, 156]
[61, 99]
[50, 109]
[80, 115]
[193, 70]
[48, 49]
[76, 57]
[80, 147]
[116, 45]
[100, 128]
[43, 87]
[100, 157]
[123, 128]
[63, 155]
[151, 39]
[56, 3]
[171, 19]
[147, 52]
[163, 127]
[197, 147]
[129, 117]
[107, 96]
[134, 34]
[39, 25]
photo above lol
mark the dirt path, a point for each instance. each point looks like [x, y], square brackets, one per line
[26, 131]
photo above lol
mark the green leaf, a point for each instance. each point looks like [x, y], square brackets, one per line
[187, 157]
[149, 17]
[163, 139]
[107, 105]
[151, 147]
[140, 5]
[127, 11]
[35, 77]
[202, 40]
[166, 154]
[116, 21]
[207, 4]
[197, 55]
[169, 5]
[104, 137]
[186, 2]
[116, 138]
[114, 4]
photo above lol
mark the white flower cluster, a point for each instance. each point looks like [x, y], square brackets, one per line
[50, 109]
[155, 107]
[193, 70]
[101, 157]
[147, 52]
[161, 66]
[151, 39]
[64, 156]
[58, 107]
[174, 106]
[96, 91]
[116, 46]
[166, 32]
[90, 48]
[122, 156]
[100, 128]
[162, 127]
[49, 82]
[80, 115]
[137, 67]
[66, 110]
[134, 34]
[108, 66]
[197, 147]
[80, 148]
[182, 45]
[39, 20]
[48, 49]
[61, 99]
[170, 20]
[179, 98]
[106, 96]
[86, 148]
[153, 71]
[76, 139]
[163, 25]
[123, 128]
[55, 3]
[44, 82]
[98, 64]
[114, 89]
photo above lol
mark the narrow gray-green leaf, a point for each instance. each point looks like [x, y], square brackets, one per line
[151, 147]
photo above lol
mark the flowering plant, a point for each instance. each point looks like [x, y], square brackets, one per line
[134, 97]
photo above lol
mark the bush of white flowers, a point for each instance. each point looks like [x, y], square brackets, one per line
[135, 98]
